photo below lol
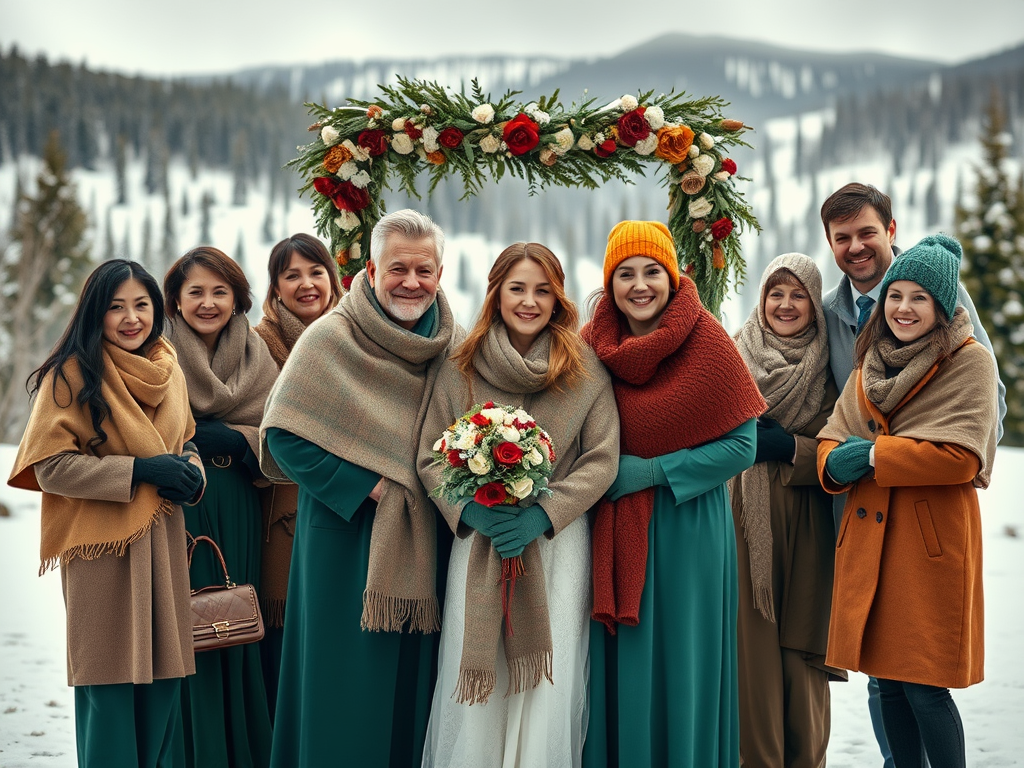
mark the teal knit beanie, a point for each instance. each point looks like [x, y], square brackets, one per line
[934, 264]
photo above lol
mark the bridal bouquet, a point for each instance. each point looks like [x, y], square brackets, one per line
[495, 454]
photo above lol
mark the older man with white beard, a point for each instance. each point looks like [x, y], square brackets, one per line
[343, 423]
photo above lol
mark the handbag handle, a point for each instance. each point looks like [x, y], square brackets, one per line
[224, 566]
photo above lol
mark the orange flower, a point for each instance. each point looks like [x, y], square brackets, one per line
[373, 112]
[336, 157]
[341, 257]
[692, 183]
[673, 143]
[717, 257]
[612, 132]
[436, 158]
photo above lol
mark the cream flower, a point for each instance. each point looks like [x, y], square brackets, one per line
[361, 180]
[484, 113]
[347, 221]
[628, 103]
[466, 440]
[398, 124]
[703, 164]
[494, 415]
[563, 141]
[655, 117]
[329, 135]
[489, 144]
[479, 464]
[438, 444]
[722, 176]
[354, 252]
[700, 208]
[648, 145]
[534, 457]
[509, 433]
[707, 141]
[521, 488]
[508, 418]
[347, 170]
[693, 151]
[402, 144]
[585, 143]
[430, 135]
[358, 153]
[520, 414]
[539, 116]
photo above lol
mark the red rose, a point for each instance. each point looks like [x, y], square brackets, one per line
[479, 419]
[721, 228]
[521, 134]
[488, 404]
[729, 166]
[605, 148]
[454, 459]
[345, 195]
[346, 282]
[375, 142]
[509, 454]
[412, 130]
[633, 127]
[490, 494]
[450, 137]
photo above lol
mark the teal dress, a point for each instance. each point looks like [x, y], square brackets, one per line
[665, 692]
[226, 716]
[345, 696]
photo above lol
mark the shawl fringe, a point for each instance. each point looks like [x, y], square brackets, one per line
[389, 613]
[526, 672]
[272, 609]
[474, 686]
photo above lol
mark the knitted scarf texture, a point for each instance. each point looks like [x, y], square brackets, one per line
[372, 378]
[149, 416]
[791, 373]
[680, 386]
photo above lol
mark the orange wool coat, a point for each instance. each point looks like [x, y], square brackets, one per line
[907, 601]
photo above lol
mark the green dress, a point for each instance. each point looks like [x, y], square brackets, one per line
[226, 717]
[665, 692]
[345, 696]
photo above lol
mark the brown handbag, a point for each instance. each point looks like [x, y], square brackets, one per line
[226, 615]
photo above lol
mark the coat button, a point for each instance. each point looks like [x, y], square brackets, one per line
[878, 517]
[871, 425]
[862, 513]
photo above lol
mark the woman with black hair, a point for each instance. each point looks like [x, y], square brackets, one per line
[106, 445]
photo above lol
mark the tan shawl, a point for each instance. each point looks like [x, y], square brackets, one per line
[281, 500]
[791, 373]
[947, 402]
[372, 379]
[233, 386]
[149, 416]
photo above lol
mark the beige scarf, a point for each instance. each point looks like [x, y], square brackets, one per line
[791, 373]
[372, 378]
[149, 416]
[233, 386]
[953, 401]
[280, 334]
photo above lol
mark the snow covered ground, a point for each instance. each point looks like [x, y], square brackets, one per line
[37, 707]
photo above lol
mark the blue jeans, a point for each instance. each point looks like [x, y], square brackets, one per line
[875, 710]
[922, 722]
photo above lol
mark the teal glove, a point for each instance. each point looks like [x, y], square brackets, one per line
[510, 537]
[635, 474]
[848, 462]
[483, 519]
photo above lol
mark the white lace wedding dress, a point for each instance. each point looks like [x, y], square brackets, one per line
[540, 728]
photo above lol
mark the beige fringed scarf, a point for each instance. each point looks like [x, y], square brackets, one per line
[280, 334]
[149, 416]
[791, 373]
[950, 402]
[371, 379]
[234, 385]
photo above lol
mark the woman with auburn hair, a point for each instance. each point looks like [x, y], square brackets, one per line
[520, 699]
[229, 372]
[663, 648]
[303, 286]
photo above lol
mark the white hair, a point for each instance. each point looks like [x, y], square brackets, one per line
[409, 224]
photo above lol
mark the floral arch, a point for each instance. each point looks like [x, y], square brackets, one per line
[421, 126]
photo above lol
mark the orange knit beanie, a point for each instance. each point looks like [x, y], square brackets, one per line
[641, 238]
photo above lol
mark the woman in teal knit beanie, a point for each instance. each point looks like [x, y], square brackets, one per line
[912, 437]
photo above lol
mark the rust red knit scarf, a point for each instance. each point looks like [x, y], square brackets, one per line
[680, 386]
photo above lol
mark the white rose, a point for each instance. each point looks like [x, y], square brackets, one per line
[479, 464]
[398, 124]
[648, 145]
[521, 488]
[585, 143]
[438, 444]
[655, 117]
[402, 144]
[700, 208]
[347, 221]
[539, 116]
[489, 144]
[534, 457]
[483, 113]
[521, 415]
[722, 176]
[361, 180]
[353, 252]
[466, 440]
[430, 135]
[693, 151]
[358, 153]
[703, 164]
[563, 141]
[599, 137]
[494, 415]
[329, 135]
[347, 170]
[509, 418]
[509, 433]
[628, 103]
[707, 141]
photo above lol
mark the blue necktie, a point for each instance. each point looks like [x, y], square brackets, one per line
[866, 304]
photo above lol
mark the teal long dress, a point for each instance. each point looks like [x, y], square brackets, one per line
[345, 696]
[665, 692]
[225, 712]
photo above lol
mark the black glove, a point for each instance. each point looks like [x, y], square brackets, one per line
[773, 442]
[212, 438]
[174, 477]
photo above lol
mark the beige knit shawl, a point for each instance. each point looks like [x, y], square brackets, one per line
[950, 402]
[356, 384]
[233, 386]
[791, 373]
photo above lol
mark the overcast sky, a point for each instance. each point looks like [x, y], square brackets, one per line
[191, 36]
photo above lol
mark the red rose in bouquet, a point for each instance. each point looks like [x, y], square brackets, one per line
[521, 134]
[375, 142]
[412, 130]
[729, 166]
[721, 228]
[507, 453]
[633, 127]
[490, 494]
[450, 137]
[345, 195]
[480, 420]
[454, 459]
[605, 149]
